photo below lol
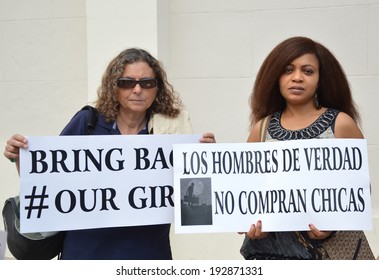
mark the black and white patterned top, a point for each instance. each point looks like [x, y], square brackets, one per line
[323, 127]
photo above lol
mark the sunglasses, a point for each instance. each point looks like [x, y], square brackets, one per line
[128, 83]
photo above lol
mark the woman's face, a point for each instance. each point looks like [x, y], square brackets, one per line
[299, 81]
[137, 99]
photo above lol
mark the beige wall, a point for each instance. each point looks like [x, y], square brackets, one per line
[53, 52]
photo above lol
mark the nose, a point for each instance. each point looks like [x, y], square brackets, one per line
[137, 89]
[297, 76]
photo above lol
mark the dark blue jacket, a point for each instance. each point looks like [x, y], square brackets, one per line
[119, 243]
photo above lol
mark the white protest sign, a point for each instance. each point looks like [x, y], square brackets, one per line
[81, 182]
[287, 185]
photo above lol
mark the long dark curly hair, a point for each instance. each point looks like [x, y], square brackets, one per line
[333, 90]
[167, 101]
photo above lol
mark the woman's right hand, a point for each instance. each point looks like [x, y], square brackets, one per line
[12, 149]
[255, 231]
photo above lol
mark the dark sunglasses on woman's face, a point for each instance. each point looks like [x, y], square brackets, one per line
[128, 83]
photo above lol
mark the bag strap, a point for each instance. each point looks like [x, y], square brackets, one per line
[92, 118]
[263, 128]
[14, 202]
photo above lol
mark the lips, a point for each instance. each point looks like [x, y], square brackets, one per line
[296, 89]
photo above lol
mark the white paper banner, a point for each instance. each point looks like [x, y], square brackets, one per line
[287, 185]
[78, 182]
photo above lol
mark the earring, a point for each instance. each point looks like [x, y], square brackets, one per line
[316, 99]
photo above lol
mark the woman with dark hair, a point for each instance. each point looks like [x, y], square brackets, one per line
[134, 98]
[301, 92]
[332, 88]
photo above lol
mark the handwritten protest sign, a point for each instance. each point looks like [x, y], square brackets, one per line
[78, 182]
[287, 185]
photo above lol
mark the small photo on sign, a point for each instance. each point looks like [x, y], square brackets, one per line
[196, 201]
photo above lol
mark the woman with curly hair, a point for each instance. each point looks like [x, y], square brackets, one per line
[134, 98]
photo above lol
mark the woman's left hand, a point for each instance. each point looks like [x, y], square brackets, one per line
[207, 138]
[316, 234]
